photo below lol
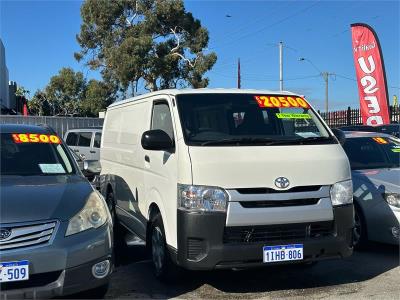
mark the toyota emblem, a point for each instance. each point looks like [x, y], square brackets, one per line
[4, 234]
[282, 182]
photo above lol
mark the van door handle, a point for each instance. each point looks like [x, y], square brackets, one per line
[147, 158]
[91, 151]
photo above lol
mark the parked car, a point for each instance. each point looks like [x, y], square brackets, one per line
[218, 178]
[366, 128]
[90, 168]
[375, 163]
[55, 229]
[392, 129]
[85, 142]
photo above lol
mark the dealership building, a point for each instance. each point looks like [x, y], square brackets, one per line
[9, 102]
[4, 90]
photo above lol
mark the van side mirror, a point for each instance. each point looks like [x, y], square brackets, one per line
[157, 139]
[339, 135]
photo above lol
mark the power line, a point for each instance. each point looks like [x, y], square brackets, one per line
[272, 24]
[353, 79]
[244, 77]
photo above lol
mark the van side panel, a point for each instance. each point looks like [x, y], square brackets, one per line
[122, 161]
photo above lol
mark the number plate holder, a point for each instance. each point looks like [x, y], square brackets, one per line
[280, 253]
[14, 271]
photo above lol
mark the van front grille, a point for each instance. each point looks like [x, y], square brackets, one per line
[296, 189]
[21, 236]
[281, 233]
[278, 203]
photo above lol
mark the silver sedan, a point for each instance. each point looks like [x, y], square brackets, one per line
[375, 163]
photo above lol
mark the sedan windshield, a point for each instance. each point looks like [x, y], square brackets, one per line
[249, 119]
[33, 154]
[373, 152]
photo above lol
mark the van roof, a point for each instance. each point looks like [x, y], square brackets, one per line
[174, 92]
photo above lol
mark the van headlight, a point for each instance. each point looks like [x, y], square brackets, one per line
[392, 199]
[342, 193]
[93, 215]
[202, 198]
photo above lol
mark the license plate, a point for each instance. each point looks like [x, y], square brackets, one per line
[14, 271]
[282, 253]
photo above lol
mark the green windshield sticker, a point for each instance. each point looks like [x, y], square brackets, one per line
[292, 116]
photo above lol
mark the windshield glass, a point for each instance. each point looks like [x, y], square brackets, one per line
[373, 152]
[249, 119]
[33, 154]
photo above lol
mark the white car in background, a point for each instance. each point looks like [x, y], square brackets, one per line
[85, 142]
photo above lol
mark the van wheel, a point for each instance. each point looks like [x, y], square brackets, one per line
[164, 268]
[360, 229]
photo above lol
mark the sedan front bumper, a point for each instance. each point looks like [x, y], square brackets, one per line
[61, 267]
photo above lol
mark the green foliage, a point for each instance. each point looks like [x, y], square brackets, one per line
[97, 98]
[22, 92]
[154, 41]
[66, 91]
[39, 105]
[68, 94]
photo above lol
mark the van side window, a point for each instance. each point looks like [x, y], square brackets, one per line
[97, 140]
[72, 139]
[84, 139]
[162, 119]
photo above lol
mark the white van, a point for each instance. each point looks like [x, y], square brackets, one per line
[219, 178]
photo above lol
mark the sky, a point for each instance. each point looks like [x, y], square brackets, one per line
[39, 38]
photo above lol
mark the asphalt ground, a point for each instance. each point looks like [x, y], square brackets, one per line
[372, 273]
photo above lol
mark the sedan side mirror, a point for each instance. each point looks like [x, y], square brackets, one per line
[157, 140]
[339, 135]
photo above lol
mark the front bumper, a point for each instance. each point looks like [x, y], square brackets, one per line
[201, 243]
[61, 267]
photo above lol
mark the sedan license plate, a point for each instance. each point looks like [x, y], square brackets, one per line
[14, 271]
[282, 253]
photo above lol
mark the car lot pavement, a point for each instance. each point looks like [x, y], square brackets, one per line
[373, 273]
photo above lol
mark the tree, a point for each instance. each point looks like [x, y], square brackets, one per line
[97, 97]
[65, 92]
[154, 41]
[39, 105]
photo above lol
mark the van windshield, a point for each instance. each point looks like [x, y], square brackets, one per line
[249, 119]
[30, 154]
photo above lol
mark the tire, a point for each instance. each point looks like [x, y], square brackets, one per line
[164, 269]
[360, 237]
[119, 243]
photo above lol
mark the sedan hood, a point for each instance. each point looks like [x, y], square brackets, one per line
[387, 179]
[35, 198]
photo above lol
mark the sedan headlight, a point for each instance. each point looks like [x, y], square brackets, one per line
[392, 199]
[202, 198]
[342, 193]
[93, 215]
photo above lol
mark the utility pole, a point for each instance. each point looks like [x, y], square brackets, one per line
[281, 66]
[325, 76]
[239, 81]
